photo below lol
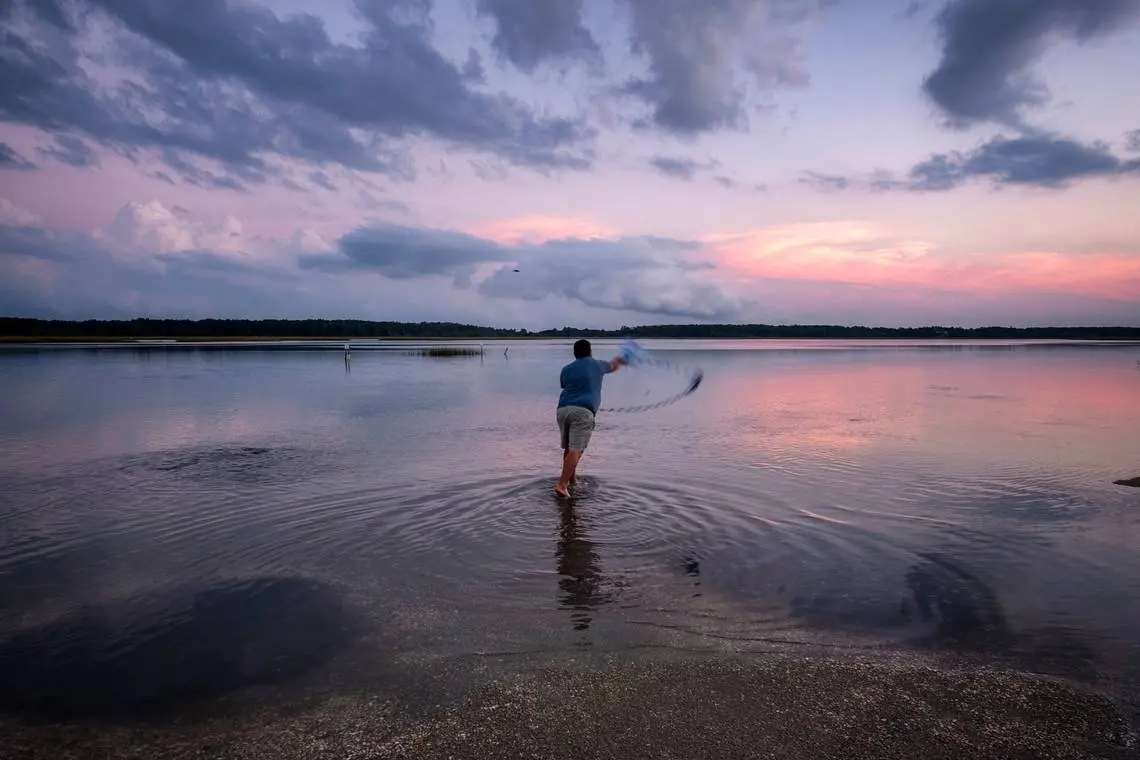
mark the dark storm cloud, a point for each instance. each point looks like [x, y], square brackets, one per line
[49, 11]
[238, 85]
[1045, 162]
[37, 243]
[72, 151]
[528, 32]
[989, 47]
[407, 252]
[644, 274]
[10, 159]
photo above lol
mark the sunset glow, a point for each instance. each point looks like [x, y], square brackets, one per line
[955, 175]
[858, 253]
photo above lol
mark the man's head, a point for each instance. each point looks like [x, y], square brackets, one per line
[581, 348]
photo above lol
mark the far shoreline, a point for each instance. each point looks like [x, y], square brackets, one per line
[15, 330]
[146, 330]
[158, 341]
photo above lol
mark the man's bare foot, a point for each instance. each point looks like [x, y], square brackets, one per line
[561, 491]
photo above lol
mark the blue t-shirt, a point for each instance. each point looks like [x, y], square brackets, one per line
[582, 383]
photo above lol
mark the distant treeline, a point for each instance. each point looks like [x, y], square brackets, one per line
[44, 329]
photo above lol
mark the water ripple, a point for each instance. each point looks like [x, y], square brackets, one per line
[794, 552]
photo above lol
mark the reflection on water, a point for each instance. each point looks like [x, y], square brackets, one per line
[579, 568]
[915, 501]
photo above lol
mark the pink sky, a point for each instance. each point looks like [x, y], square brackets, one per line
[663, 225]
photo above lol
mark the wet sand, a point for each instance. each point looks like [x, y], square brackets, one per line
[656, 707]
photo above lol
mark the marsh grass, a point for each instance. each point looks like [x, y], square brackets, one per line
[447, 352]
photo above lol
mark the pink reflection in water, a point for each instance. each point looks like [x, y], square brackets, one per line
[992, 407]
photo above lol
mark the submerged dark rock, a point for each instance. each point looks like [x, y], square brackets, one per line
[148, 654]
[243, 465]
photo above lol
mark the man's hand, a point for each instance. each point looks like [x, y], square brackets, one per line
[616, 362]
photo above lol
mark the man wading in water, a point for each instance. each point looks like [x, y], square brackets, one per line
[581, 396]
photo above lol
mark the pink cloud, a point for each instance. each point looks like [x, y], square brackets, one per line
[860, 253]
[539, 228]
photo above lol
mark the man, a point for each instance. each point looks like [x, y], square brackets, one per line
[581, 396]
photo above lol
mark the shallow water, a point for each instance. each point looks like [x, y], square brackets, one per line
[880, 499]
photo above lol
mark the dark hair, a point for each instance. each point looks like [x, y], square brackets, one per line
[581, 348]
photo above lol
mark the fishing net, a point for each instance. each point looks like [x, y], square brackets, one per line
[657, 372]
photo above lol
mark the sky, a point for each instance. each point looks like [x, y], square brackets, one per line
[591, 163]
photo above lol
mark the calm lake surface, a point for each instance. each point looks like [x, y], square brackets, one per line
[886, 499]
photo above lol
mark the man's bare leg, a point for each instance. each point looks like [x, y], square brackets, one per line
[569, 467]
[573, 475]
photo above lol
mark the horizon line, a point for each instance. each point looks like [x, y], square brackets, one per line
[686, 326]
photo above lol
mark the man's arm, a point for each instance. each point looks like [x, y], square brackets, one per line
[613, 364]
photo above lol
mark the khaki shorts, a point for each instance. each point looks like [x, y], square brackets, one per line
[576, 424]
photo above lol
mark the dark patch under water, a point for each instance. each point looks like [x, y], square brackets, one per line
[239, 464]
[145, 655]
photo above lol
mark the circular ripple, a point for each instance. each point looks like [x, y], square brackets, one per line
[739, 556]
[753, 558]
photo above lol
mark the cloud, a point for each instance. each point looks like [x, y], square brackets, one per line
[703, 60]
[539, 228]
[864, 255]
[679, 168]
[10, 159]
[1132, 141]
[72, 151]
[1045, 162]
[530, 32]
[1040, 161]
[825, 182]
[147, 236]
[838, 273]
[915, 8]
[238, 87]
[687, 169]
[150, 228]
[29, 240]
[399, 252]
[694, 51]
[645, 275]
[155, 260]
[989, 48]
[13, 215]
[642, 275]
[322, 180]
